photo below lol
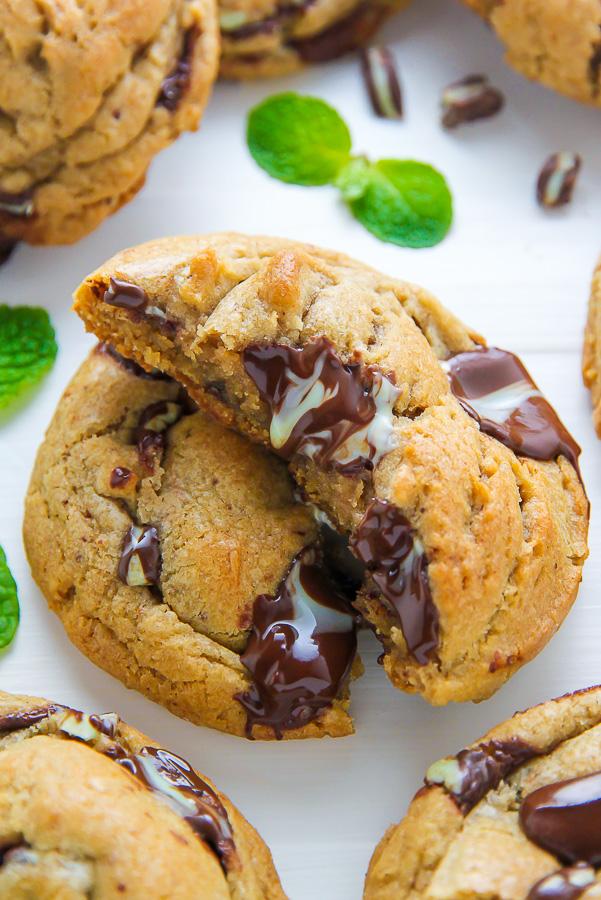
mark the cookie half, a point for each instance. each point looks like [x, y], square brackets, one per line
[91, 807]
[591, 358]
[556, 42]
[178, 559]
[438, 456]
[87, 101]
[515, 815]
[273, 37]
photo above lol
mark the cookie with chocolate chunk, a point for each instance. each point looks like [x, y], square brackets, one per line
[272, 37]
[90, 807]
[89, 94]
[556, 42]
[440, 459]
[179, 560]
[591, 358]
[514, 815]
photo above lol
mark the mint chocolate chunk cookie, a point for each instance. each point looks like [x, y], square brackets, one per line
[88, 97]
[438, 457]
[552, 41]
[179, 560]
[514, 815]
[91, 807]
[272, 37]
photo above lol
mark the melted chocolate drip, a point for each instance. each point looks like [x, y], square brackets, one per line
[25, 719]
[19, 205]
[129, 365]
[386, 544]
[177, 82]
[483, 768]
[336, 401]
[565, 819]
[301, 648]
[176, 781]
[565, 884]
[494, 387]
[120, 477]
[141, 542]
[342, 37]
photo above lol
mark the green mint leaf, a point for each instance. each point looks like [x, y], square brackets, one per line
[353, 179]
[9, 603]
[300, 140]
[27, 349]
[404, 202]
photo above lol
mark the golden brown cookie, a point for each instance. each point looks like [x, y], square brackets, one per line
[89, 93]
[273, 37]
[556, 42]
[591, 359]
[515, 815]
[439, 457]
[179, 560]
[90, 807]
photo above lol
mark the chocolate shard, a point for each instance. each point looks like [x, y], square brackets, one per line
[301, 648]
[390, 550]
[470, 99]
[382, 82]
[557, 179]
[17, 721]
[342, 37]
[140, 562]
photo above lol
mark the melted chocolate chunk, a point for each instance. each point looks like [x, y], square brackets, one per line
[24, 719]
[283, 13]
[187, 794]
[483, 768]
[334, 413]
[565, 884]
[19, 205]
[565, 819]
[177, 82]
[387, 545]
[494, 387]
[125, 295]
[120, 477]
[140, 562]
[301, 648]
[342, 37]
[130, 366]
[152, 430]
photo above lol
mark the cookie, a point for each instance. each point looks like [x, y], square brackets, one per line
[515, 815]
[91, 807]
[437, 456]
[556, 42]
[89, 94]
[591, 358]
[273, 37]
[178, 559]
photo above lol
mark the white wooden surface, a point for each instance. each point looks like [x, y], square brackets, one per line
[517, 274]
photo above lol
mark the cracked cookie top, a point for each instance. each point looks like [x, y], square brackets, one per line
[90, 806]
[453, 476]
[179, 559]
[89, 93]
[515, 815]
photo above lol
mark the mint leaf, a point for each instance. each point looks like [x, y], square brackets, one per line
[402, 202]
[9, 603]
[27, 349]
[300, 140]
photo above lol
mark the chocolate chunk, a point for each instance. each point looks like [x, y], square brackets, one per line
[470, 99]
[389, 548]
[564, 818]
[484, 767]
[177, 82]
[382, 82]
[152, 429]
[334, 413]
[140, 562]
[24, 719]
[342, 37]
[19, 205]
[240, 30]
[494, 387]
[565, 884]
[129, 365]
[120, 477]
[557, 179]
[14, 852]
[301, 648]
[125, 295]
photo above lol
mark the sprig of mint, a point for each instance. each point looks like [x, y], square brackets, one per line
[303, 140]
[27, 350]
[9, 603]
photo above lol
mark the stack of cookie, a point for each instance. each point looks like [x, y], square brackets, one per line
[259, 413]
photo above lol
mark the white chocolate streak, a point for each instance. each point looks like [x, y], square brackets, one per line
[498, 406]
[309, 615]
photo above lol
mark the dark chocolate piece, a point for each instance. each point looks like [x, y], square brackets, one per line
[177, 82]
[120, 477]
[557, 179]
[283, 13]
[342, 37]
[565, 884]
[388, 547]
[140, 562]
[564, 818]
[24, 719]
[19, 205]
[495, 388]
[301, 648]
[125, 295]
[470, 99]
[152, 428]
[334, 413]
[484, 767]
[382, 82]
